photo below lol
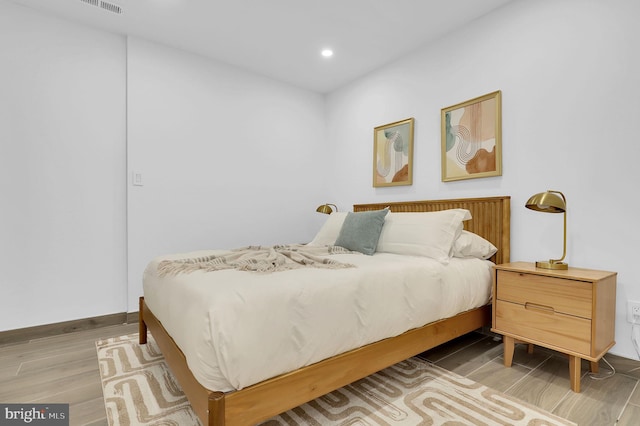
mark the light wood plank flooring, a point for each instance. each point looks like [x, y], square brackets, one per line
[64, 369]
[58, 369]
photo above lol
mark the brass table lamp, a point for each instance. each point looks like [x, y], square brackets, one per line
[550, 202]
[326, 208]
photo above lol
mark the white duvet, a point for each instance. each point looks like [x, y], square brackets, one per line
[239, 328]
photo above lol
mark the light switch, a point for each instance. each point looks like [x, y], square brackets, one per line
[137, 178]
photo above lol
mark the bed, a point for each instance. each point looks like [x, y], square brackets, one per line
[273, 395]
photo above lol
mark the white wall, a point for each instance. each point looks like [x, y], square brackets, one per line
[228, 158]
[570, 82]
[62, 170]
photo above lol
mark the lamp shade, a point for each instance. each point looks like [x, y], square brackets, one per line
[326, 208]
[551, 202]
[547, 202]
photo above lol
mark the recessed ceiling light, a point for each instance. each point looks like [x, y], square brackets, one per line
[327, 53]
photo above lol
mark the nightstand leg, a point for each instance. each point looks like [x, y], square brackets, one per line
[595, 367]
[574, 373]
[509, 344]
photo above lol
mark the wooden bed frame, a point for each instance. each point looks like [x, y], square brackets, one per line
[251, 405]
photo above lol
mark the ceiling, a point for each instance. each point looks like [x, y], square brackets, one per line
[282, 39]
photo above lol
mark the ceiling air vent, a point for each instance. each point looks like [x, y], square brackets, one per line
[111, 7]
[105, 5]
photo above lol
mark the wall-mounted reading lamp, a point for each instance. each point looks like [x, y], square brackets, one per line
[326, 208]
[550, 202]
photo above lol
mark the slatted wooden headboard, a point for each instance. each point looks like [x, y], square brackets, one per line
[491, 217]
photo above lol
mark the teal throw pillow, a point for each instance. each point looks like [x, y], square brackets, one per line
[361, 231]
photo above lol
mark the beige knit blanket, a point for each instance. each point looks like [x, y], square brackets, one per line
[259, 259]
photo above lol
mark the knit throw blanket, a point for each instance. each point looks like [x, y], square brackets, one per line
[259, 259]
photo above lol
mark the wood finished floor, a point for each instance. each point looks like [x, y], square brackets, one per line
[64, 369]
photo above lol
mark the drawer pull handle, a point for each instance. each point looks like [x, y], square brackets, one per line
[529, 305]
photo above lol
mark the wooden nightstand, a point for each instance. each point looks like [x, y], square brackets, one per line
[570, 311]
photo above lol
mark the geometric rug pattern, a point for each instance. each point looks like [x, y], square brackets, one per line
[139, 389]
[137, 385]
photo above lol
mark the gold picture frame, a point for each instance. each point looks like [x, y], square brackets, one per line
[471, 135]
[393, 154]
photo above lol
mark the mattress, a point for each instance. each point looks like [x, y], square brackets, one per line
[238, 328]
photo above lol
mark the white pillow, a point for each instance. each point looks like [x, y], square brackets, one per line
[429, 234]
[328, 234]
[469, 244]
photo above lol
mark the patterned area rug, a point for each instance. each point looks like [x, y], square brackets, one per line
[139, 389]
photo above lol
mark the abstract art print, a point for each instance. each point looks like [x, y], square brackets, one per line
[472, 138]
[393, 154]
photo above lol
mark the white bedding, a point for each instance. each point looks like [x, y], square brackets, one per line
[239, 328]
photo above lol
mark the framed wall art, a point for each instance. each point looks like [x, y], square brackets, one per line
[472, 138]
[393, 154]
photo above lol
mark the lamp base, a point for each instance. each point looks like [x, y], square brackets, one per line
[551, 264]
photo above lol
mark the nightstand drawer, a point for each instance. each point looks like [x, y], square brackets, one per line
[558, 294]
[538, 324]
